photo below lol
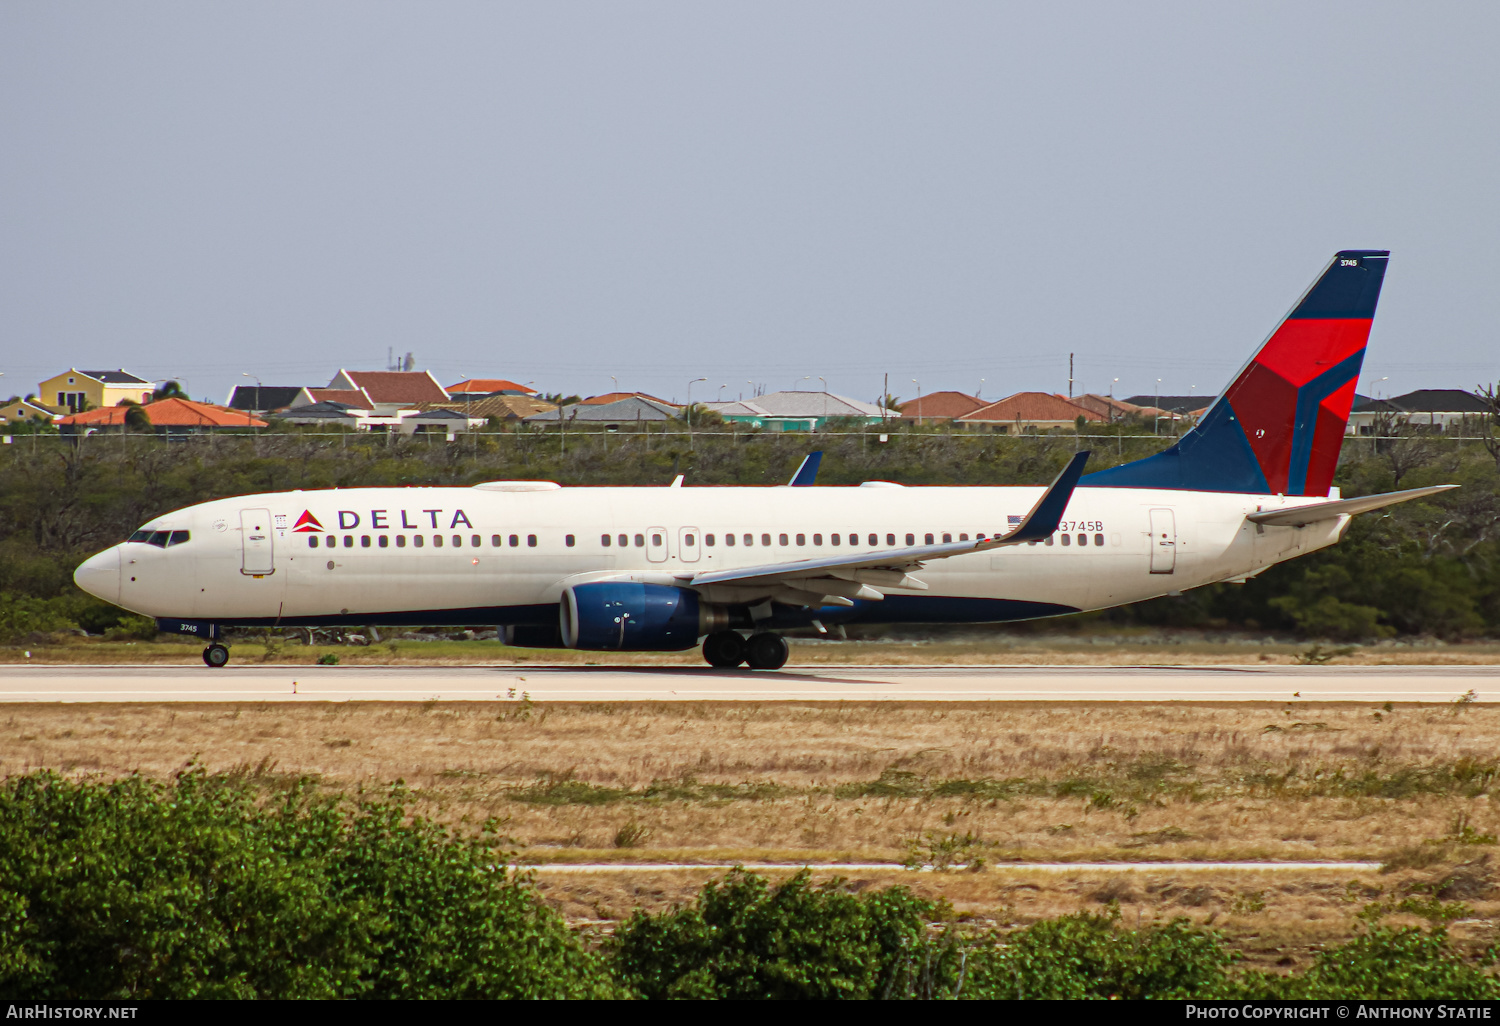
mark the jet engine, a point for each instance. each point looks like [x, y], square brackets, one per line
[624, 616]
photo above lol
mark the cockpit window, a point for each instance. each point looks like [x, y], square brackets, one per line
[140, 536]
[159, 538]
[178, 537]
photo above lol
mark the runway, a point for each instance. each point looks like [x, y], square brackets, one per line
[794, 683]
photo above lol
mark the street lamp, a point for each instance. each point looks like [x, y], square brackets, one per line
[918, 399]
[247, 374]
[1156, 423]
[690, 409]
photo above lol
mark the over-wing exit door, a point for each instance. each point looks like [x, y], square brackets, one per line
[1163, 541]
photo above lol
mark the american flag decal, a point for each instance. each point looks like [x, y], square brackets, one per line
[1012, 521]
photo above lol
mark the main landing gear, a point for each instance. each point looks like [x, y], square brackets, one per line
[764, 651]
[215, 655]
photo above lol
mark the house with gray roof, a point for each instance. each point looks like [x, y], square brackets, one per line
[799, 411]
[611, 416]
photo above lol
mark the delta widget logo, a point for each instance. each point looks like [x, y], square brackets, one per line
[307, 523]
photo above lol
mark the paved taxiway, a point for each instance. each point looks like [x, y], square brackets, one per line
[794, 683]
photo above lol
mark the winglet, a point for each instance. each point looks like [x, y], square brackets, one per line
[807, 473]
[1044, 517]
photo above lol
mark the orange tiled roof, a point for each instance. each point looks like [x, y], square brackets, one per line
[1116, 409]
[489, 385]
[347, 396]
[398, 386]
[940, 406]
[168, 413]
[1028, 408]
[614, 397]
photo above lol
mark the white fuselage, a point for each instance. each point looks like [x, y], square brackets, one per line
[491, 555]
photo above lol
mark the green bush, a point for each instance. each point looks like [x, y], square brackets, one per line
[193, 889]
[743, 938]
[1090, 956]
[132, 628]
[21, 615]
[1385, 964]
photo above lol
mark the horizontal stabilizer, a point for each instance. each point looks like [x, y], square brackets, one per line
[1301, 516]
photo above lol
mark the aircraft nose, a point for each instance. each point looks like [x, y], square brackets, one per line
[99, 575]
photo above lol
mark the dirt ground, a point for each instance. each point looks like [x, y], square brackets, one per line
[930, 784]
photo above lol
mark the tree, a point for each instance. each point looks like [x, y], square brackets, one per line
[136, 417]
[169, 390]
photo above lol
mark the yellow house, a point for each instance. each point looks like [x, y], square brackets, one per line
[24, 411]
[75, 390]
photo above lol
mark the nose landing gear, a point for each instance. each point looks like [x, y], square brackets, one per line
[215, 656]
[764, 651]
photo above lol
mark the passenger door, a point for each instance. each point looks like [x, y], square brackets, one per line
[257, 543]
[1163, 541]
[687, 544]
[656, 544]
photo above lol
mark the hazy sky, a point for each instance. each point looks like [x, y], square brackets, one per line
[749, 192]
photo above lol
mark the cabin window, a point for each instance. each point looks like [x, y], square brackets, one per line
[728, 539]
[854, 539]
[708, 540]
[640, 541]
[834, 539]
[1067, 539]
[947, 537]
[458, 541]
[495, 540]
[890, 539]
[817, 539]
[963, 537]
[364, 541]
[604, 540]
[312, 541]
[1048, 541]
[437, 541]
[348, 541]
[416, 541]
[911, 539]
[688, 540]
[515, 540]
[875, 540]
[1098, 540]
[624, 541]
[476, 541]
[400, 541]
[801, 539]
[927, 539]
[385, 541]
[782, 539]
[531, 541]
[765, 539]
[568, 541]
[1083, 539]
[656, 539]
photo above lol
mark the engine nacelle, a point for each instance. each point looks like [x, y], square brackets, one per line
[629, 617]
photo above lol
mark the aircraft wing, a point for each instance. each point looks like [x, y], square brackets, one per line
[887, 567]
[807, 472]
[1301, 516]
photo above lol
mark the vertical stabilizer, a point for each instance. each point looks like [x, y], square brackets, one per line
[1278, 427]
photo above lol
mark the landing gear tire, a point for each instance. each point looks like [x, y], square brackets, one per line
[724, 649]
[215, 656]
[767, 651]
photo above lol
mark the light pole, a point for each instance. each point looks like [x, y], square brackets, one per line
[690, 409]
[980, 394]
[721, 391]
[824, 382]
[918, 400]
[247, 374]
[1156, 422]
[615, 382]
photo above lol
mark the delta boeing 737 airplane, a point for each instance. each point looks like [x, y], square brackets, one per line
[659, 569]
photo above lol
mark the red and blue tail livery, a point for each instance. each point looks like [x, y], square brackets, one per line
[1278, 427]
